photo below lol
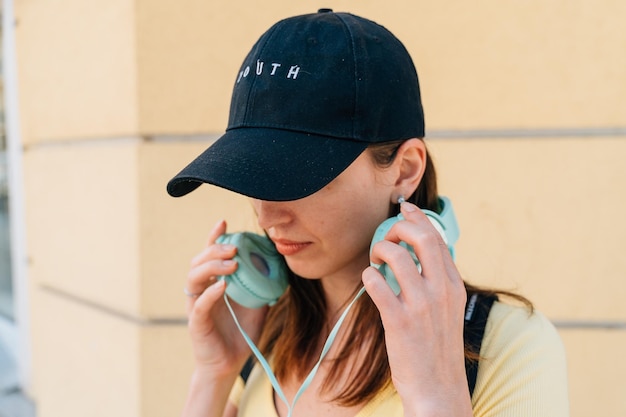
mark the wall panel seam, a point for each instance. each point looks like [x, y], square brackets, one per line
[589, 325]
[109, 311]
[182, 321]
[548, 133]
[125, 140]
[589, 132]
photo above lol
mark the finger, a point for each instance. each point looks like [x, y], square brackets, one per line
[400, 261]
[200, 277]
[421, 235]
[432, 252]
[218, 230]
[441, 277]
[379, 291]
[453, 272]
[199, 308]
[213, 251]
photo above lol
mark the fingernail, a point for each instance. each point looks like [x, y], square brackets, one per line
[408, 207]
[228, 262]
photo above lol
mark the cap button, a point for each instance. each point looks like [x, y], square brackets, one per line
[325, 11]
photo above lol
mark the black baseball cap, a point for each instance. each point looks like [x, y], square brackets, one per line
[313, 93]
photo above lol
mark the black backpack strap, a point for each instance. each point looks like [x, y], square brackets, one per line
[247, 368]
[476, 315]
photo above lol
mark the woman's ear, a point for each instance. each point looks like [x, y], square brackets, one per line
[410, 164]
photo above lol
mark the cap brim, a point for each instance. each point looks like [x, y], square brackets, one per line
[268, 164]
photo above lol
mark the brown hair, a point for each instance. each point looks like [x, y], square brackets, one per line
[296, 324]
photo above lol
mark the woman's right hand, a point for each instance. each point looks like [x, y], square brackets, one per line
[218, 347]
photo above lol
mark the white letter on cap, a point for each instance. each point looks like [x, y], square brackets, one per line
[259, 67]
[293, 71]
[274, 68]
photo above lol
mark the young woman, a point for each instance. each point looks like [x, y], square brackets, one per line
[325, 136]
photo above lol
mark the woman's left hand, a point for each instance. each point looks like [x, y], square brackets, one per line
[424, 323]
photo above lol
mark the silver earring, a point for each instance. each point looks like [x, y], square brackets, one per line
[401, 199]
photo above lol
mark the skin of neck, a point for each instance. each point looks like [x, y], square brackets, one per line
[341, 287]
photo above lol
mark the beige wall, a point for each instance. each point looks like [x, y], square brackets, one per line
[524, 106]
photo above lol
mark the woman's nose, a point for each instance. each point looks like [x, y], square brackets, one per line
[270, 213]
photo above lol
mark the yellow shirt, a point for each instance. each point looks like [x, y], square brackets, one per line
[522, 372]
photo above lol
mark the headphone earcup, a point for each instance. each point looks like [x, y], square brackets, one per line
[261, 275]
[383, 229]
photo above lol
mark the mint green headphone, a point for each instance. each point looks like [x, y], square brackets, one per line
[445, 223]
[261, 275]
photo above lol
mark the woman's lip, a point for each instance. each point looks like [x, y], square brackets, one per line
[288, 247]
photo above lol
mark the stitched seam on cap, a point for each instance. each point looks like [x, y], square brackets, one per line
[250, 100]
[354, 60]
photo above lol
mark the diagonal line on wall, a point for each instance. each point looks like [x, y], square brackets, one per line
[141, 321]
